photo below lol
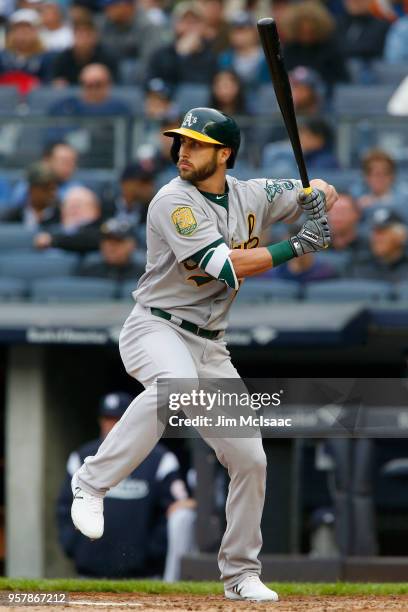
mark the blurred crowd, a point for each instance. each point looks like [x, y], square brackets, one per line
[48, 41]
[90, 52]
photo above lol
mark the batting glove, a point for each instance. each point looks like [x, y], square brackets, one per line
[313, 236]
[314, 203]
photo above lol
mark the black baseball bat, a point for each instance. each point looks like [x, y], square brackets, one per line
[269, 36]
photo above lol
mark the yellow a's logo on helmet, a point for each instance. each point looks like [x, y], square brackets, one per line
[184, 220]
[189, 120]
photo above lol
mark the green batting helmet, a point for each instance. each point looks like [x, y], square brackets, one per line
[207, 125]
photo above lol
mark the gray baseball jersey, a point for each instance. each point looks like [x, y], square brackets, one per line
[182, 222]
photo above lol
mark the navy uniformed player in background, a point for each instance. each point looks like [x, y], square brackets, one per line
[150, 516]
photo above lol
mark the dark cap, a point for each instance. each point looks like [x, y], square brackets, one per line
[114, 404]
[159, 87]
[40, 173]
[241, 19]
[306, 76]
[115, 228]
[384, 217]
[138, 170]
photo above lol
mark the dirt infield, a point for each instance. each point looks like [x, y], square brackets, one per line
[216, 603]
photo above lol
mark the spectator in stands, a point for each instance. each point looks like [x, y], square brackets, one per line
[158, 152]
[307, 91]
[189, 59]
[308, 29]
[344, 224]
[141, 510]
[136, 191]
[56, 34]
[245, 55]
[379, 170]
[95, 96]
[157, 102]
[40, 208]
[227, 93]
[117, 249]
[85, 50]
[305, 269]
[128, 32]
[396, 44]
[24, 61]
[63, 161]
[80, 223]
[387, 259]
[361, 35]
[316, 138]
[167, 123]
[216, 29]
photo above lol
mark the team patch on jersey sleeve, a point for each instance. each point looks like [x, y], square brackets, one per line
[184, 220]
[276, 186]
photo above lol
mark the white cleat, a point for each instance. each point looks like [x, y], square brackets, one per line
[86, 511]
[251, 589]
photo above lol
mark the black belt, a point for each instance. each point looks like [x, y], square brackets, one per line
[191, 327]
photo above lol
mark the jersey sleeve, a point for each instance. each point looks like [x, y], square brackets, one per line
[183, 226]
[279, 197]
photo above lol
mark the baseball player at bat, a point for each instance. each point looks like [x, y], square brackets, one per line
[203, 237]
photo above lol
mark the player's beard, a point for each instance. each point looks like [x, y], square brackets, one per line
[196, 176]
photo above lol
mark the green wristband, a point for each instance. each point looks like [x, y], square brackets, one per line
[281, 252]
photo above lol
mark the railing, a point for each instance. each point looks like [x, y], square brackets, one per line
[107, 143]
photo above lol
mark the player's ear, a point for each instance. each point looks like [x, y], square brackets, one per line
[224, 154]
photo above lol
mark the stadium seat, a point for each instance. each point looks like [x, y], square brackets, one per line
[126, 290]
[165, 176]
[12, 289]
[130, 95]
[339, 260]
[386, 73]
[401, 291]
[361, 99]
[97, 180]
[32, 265]
[131, 71]
[39, 100]
[9, 100]
[15, 236]
[349, 180]
[138, 257]
[191, 95]
[269, 290]
[348, 290]
[73, 289]
[243, 171]
[265, 102]
[279, 156]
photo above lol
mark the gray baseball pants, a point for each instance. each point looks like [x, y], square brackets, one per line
[153, 348]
